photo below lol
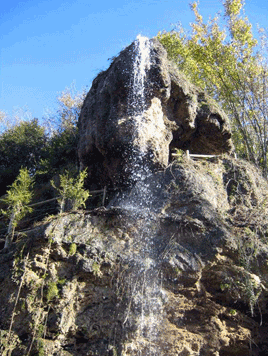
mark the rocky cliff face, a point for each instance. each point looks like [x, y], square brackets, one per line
[175, 264]
[175, 114]
[79, 285]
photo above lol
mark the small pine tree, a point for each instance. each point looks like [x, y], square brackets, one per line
[17, 198]
[72, 192]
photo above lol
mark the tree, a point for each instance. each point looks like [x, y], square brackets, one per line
[72, 192]
[70, 102]
[17, 199]
[61, 153]
[227, 63]
[22, 145]
[19, 115]
[43, 149]
[63, 138]
[3, 119]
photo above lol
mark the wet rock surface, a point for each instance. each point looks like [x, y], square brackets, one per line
[175, 115]
[70, 287]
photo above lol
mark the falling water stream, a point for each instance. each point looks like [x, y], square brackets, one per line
[145, 307]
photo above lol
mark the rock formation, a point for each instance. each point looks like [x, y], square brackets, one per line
[70, 286]
[176, 114]
[177, 267]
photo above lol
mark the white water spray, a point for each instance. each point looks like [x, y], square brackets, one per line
[142, 64]
[146, 298]
[137, 166]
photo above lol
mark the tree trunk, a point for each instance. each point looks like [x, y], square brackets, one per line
[10, 230]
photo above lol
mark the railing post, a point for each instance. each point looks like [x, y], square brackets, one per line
[104, 195]
[187, 154]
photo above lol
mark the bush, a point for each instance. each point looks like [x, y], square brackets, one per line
[72, 192]
[18, 197]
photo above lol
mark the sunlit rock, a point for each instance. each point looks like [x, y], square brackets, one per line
[169, 113]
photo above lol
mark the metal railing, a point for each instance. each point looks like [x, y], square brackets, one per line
[198, 156]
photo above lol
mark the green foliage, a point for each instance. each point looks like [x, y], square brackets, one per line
[224, 286]
[72, 192]
[40, 347]
[22, 145]
[41, 149]
[233, 312]
[61, 281]
[61, 151]
[180, 155]
[225, 61]
[72, 249]
[52, 291]
[17, 199]
[63, 138]
[96, 268]
[40, 330]
[19, 195]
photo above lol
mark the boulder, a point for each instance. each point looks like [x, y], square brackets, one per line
[119, 131]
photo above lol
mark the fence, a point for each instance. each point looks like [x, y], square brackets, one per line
[198, 156]
[104, 191]
[3, 230]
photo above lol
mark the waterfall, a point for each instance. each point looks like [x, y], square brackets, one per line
[139, 170]
[137, 104]
[146, 296]
[142, 63]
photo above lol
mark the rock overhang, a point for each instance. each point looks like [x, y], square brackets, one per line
[176, 114]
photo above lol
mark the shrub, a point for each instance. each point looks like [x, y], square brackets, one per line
[72, 192]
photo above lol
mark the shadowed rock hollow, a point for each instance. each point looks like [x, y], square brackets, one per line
[175, 115]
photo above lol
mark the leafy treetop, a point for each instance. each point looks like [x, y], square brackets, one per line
[226, 61]
[72, 192]
[17, 199]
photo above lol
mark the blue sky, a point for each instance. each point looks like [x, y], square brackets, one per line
[48, 45]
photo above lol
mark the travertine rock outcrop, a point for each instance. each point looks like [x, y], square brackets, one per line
[174, 265]
[72, 286]
[176, 114]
